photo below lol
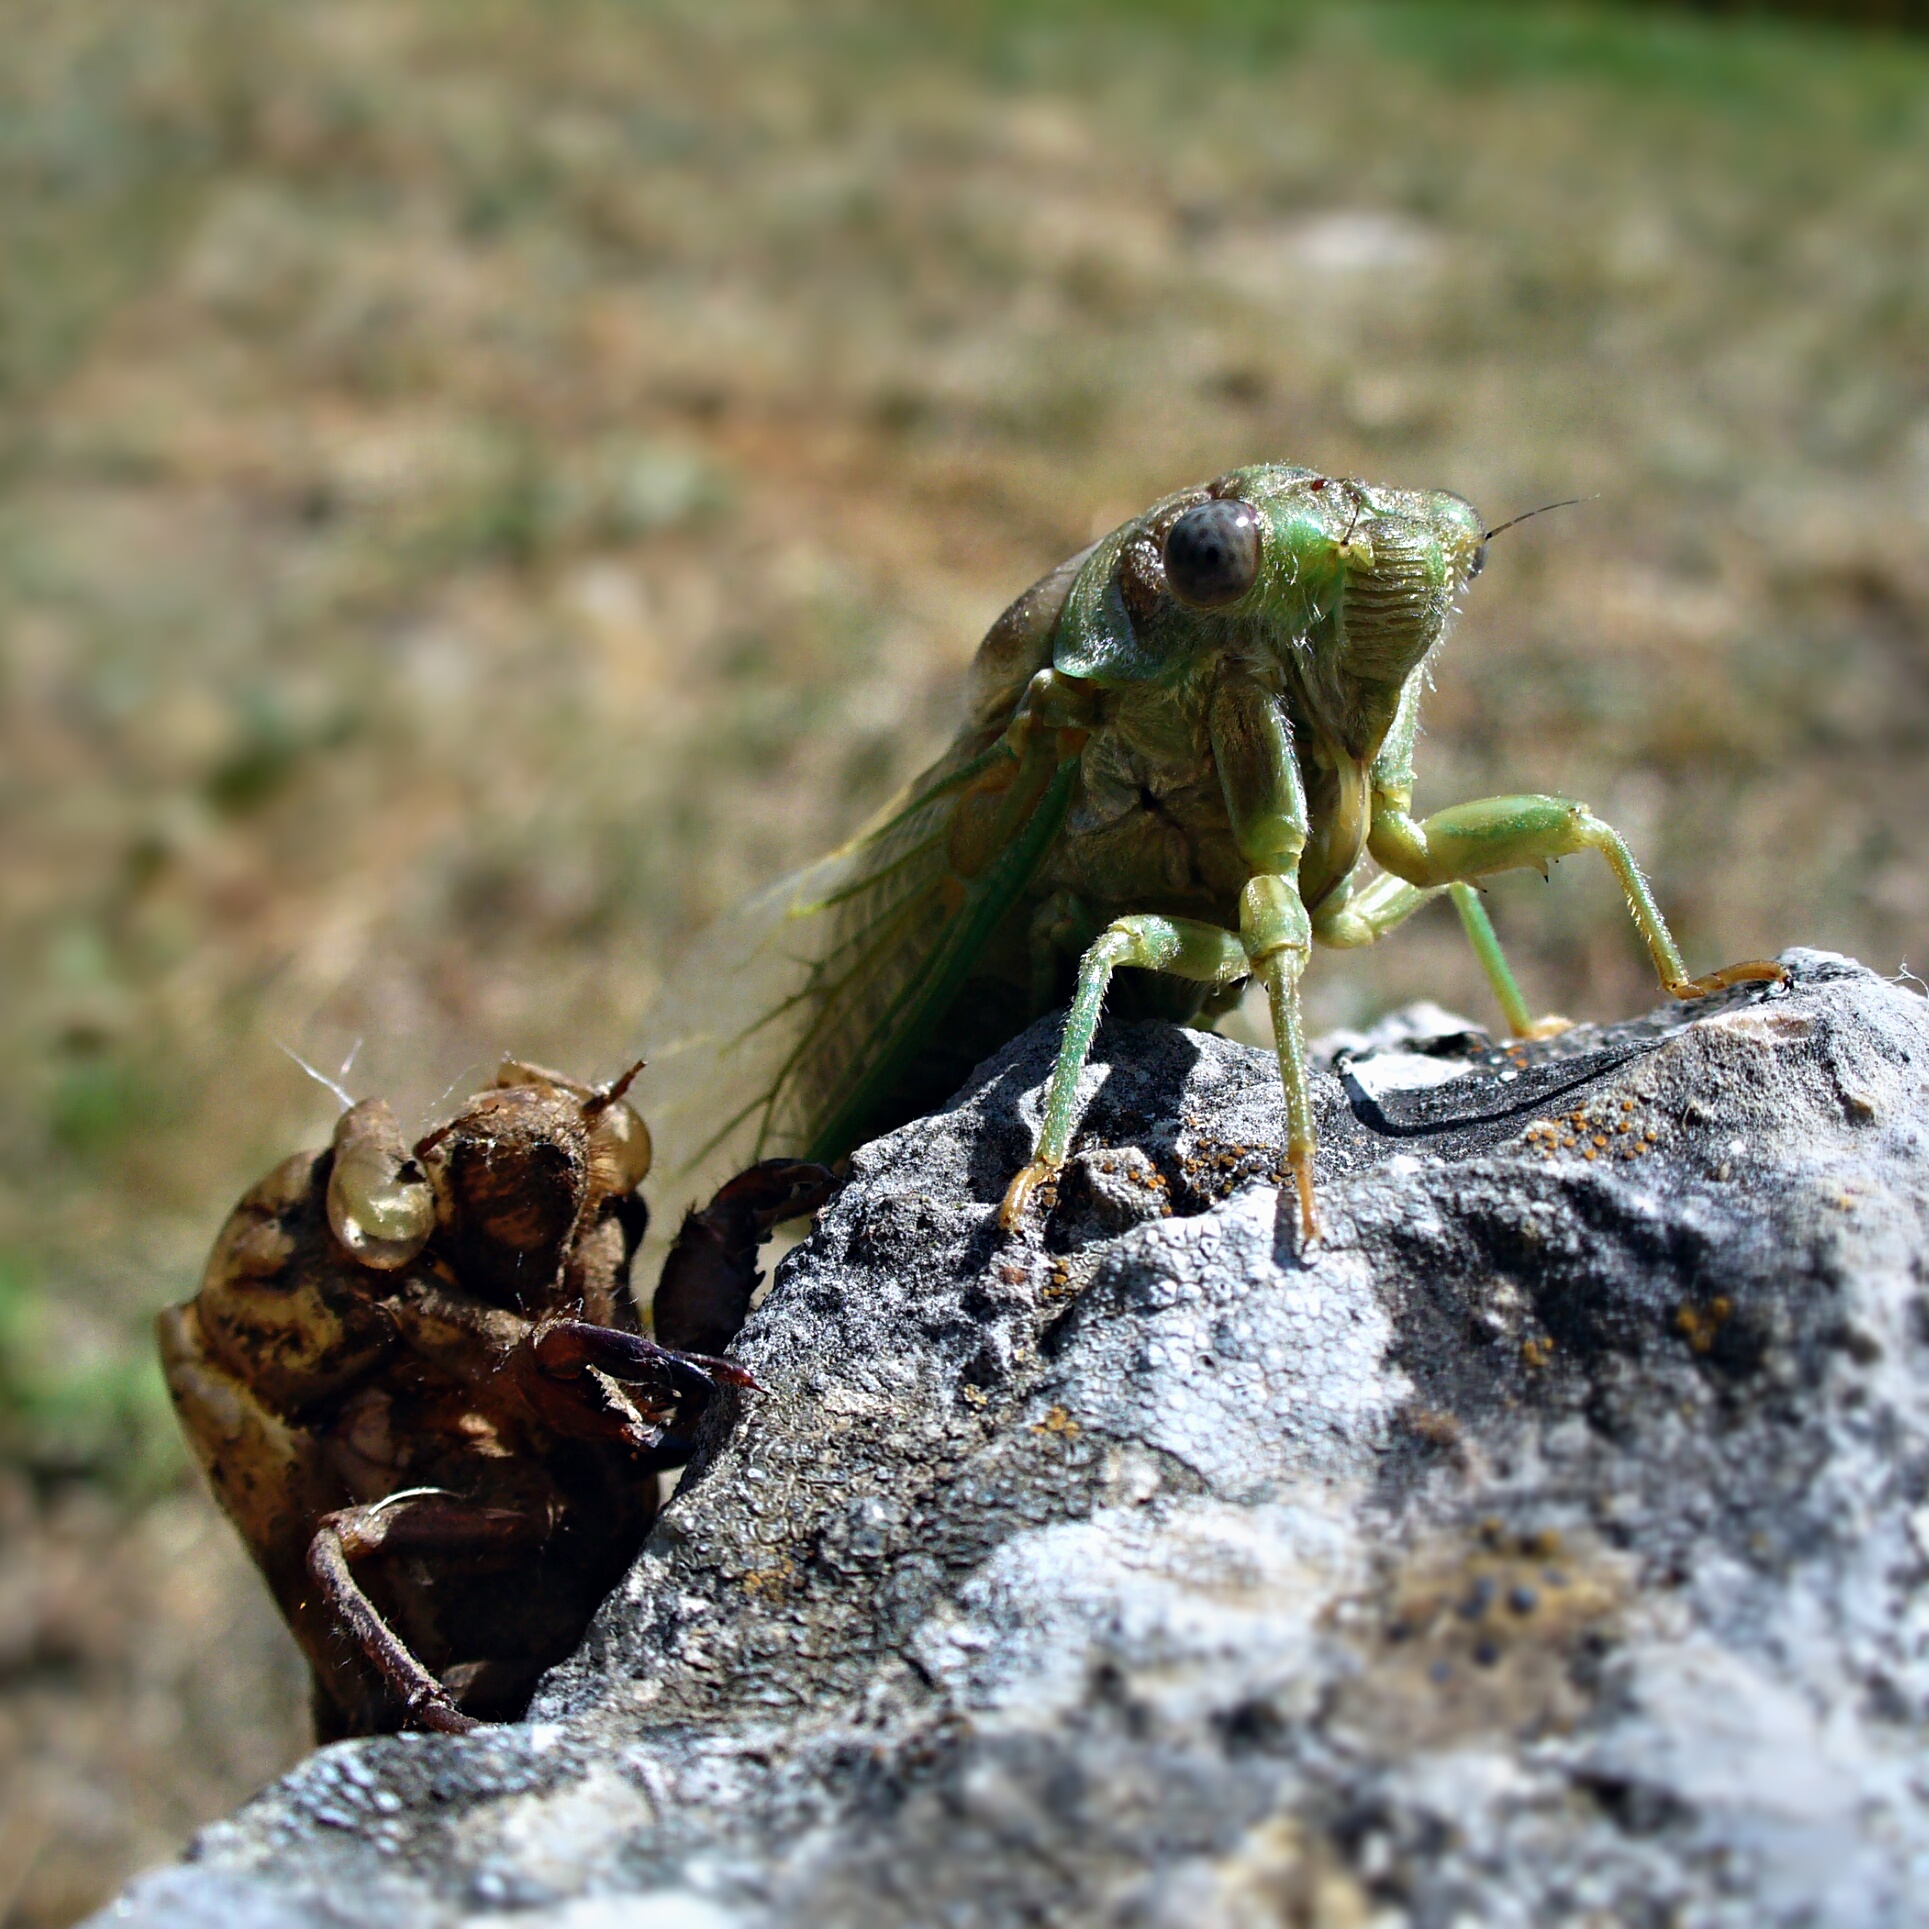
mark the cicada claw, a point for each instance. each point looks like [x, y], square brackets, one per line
[1551, 1026]
[1751, 971]
[1299, 1162]
[440, 1715]
[1018, 1195]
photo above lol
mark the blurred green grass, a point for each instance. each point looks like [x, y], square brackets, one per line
[482, 485]
[105, 1418]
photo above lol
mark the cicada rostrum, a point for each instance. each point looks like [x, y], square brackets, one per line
[1187, 759]
[417, 1382]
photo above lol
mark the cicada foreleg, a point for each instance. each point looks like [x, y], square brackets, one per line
[1266, 801]
[1252, 746]
[1472, 840]
[410, 1523]
[1187, 949]
[1350, 919]
[1277, 936]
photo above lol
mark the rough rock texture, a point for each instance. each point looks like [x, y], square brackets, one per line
[1547, 1545]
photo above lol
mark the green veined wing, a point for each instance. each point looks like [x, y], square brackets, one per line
[785, 1021]
[804, 995]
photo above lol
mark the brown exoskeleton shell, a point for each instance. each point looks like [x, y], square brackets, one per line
[416, 1380]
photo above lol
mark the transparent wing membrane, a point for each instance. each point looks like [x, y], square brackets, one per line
[794, 1000]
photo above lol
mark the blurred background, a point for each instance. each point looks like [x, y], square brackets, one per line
[484, 484]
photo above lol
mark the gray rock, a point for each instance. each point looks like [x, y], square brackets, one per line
[1546, 1545]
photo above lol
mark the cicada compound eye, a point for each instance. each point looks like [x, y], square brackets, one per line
[1212, 553]
[619, 1147]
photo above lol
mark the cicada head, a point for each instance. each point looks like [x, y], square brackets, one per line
[522, 1173]
[1341, 582]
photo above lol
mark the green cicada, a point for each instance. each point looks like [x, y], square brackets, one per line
[1183, 746]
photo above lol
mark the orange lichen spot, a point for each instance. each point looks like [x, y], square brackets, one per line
[1536, 1352]
[771, 1583]
[1698, 1325]
[1059, 1284]
[1057, 1421]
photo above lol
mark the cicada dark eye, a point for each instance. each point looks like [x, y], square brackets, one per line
[1212, 554]
[1478, 564]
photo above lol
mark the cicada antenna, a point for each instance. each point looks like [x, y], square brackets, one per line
[1358, 494]
[1528, 515]
[442, 1098]
[322, 1078]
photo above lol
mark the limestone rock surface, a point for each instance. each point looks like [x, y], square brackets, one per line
[1547, 1544]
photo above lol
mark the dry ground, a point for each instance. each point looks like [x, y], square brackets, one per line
[483, 484]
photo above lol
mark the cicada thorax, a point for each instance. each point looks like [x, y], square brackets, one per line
[1148, 829]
